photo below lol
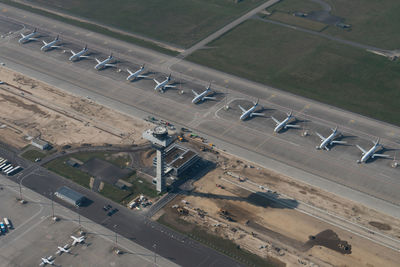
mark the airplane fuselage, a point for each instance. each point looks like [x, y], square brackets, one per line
[49, 45]
[78, 55]
[101, 65]
[26, 38]
[369, 154]
[162, 84]
[248, 113]
[328, 140]
[282, 125]
[200, 97]
[135, 74]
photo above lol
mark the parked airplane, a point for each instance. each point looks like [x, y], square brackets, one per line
[79, 55]
[162, 85]
[63, 249]
[103, 64]
[77, 239]
[371, 153]
[329, 141]
[50, 45]
[134, 75]
[27, 38]
[285, 123]
[250, 112]
[202, 96]
[47, 261]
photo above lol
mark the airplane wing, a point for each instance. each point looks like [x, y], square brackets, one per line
[23, 36]
[169, 86]
[210, 97]
[98, 61]
[339, 142]
[292, 126]
[362, 149]
[275, 120]
[41, 264]
[194, 92]
[243, 110]
[73, 53]
[45, 43]
[257, 114]
[130, 72]
[157, 82]
[320, 136]
[380, 156]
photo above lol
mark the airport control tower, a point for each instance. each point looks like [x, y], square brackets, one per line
[160, 139]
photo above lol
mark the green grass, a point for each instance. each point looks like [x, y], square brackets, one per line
[94, 28]
[60, 167]
[373, 22]
[115, 194]
[298, 21]
[180, 22]
[220, 244]
[290, 6]
[310, 66]
[120, 161]
[33, 154]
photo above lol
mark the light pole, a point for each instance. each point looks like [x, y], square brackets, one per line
[79, 218]
[52, 204]
[116, 235]
[155, 255]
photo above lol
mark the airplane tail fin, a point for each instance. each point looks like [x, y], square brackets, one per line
[58, 37]
[35, 30]
[85, 47]
[142, 66]
[256, 103]
[290, 113]
[209, 86]
[169, 77]
[111, 55]
[334, 129]
[377, 141]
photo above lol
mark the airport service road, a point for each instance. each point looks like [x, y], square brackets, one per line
[288, 153]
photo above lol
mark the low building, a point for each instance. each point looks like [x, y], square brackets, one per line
[41, 144]
[179, 159]
[71, 196]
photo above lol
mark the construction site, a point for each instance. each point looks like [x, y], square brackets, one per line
[284, 221]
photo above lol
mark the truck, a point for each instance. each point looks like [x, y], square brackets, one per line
[5, 170]
[5, 167]
[3, 227]
[7, 223]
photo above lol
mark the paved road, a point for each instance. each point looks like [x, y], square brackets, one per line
[375, 185]
[133, 226]
[227, 28]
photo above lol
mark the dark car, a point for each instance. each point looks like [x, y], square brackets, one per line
[107, 207]
[111, 212]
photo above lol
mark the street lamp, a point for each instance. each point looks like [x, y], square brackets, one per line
[116, 235]
[155, 255]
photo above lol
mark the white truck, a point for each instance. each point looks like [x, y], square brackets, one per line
[7, 223]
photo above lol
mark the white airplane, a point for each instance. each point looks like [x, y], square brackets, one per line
[79, 55]
[63, 249]
[250, 112]
[103, 64]
[285, 123]
[134, 75]
[77, 239]
[50, 45]
[329, 141]
[162, 85]
[27, 38]
[371, 153]
[202, 96]
[47, 260]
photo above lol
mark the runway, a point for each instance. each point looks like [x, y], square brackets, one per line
[375, 184]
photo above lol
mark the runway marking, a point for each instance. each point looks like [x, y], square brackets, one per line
[391, 133]
[352, 121]
[305, 107]
[260, 145]
[272, 96]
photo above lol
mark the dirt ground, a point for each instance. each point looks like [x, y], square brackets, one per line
[30, 108]
[269, 229]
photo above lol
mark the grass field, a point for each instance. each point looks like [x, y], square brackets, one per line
[61, 168]
[33, 154]
[113, 193]
[373, 22]
[297, 21]
[180, 22]
[119, 161]
[222, 245]
[310, 66]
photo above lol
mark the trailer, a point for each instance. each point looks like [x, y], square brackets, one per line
[7, 223]
[13, 170]
[7, 169]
